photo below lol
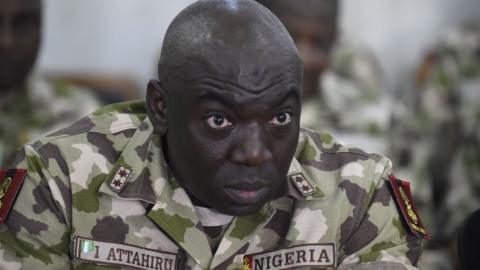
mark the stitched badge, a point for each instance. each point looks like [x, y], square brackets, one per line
[301, 183]
[10, 182]
[123, 255]
[311, 255]
[120, 178]
[403, 199]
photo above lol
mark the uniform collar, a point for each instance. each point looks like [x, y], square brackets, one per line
[143, 157]
[297, 170]
[150, 181]
[172, 209]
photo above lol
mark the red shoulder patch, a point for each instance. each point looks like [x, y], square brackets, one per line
[403, 198]
[10, 182]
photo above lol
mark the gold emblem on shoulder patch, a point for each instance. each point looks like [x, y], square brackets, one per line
[10, 182]
[3, 188]
[403, 199]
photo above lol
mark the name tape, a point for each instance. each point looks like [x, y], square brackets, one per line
[321, 255]
[91, 250]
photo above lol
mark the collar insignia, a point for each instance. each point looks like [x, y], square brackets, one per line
[120, 178]
[301, 183]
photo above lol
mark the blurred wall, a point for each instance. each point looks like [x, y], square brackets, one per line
[107, 37]
[401, 31]
[124, 37]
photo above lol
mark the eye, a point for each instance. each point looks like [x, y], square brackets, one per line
[218, 121]
[281, 119]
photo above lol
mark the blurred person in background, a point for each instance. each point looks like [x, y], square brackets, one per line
[342, 79]
[441, 145]
[30, 105]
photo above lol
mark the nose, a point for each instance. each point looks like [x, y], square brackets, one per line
[251, 147]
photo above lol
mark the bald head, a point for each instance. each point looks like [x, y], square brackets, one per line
[220, 35]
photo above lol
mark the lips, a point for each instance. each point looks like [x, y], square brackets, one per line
[246, 192]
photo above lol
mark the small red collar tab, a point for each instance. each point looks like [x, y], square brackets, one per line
[403, 198]
[10, 182]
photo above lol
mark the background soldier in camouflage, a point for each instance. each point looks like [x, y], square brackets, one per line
[210, 172]
[443, 139]
[343, 79]
[30, 105]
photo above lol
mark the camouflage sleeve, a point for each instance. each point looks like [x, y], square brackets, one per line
[380, 240]
[35, 234]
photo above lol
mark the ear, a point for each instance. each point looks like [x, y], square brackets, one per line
[156, 102]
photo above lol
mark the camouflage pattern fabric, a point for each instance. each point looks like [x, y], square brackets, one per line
[100, 196]
[441, 138]
[352, 86]
[39, 107]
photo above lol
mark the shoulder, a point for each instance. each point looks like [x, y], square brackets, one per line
[355, 179]
[337, 171]
[100, 136]
[107, 120]
[321, 155]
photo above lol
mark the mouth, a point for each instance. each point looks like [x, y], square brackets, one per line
[246, 193]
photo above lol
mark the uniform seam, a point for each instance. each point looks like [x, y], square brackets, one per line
[363, 208]
[311, 133]
[55, 139]
[42, 159]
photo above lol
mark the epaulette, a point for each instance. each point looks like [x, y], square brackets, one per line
[403, 199]
[10, 182]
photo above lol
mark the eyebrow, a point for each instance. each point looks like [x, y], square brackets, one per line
[291, 92]
[213, 95]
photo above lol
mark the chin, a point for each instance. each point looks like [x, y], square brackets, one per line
[241, 210]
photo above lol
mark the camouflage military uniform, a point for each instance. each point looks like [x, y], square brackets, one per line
[99, 193]
[39, 107]
[354, 105]
[443, 137]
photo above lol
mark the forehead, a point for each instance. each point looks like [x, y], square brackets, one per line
[250, 69]
[246, 100]
[239, 80]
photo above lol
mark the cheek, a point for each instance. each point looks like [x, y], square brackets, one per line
[209, 153]
[284, 149]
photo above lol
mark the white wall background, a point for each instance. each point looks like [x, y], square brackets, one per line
[400, 31]
[106, 36]
[124, 37]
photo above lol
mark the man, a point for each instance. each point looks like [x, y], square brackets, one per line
[210, 172]
[340, 73]
[30, 105]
